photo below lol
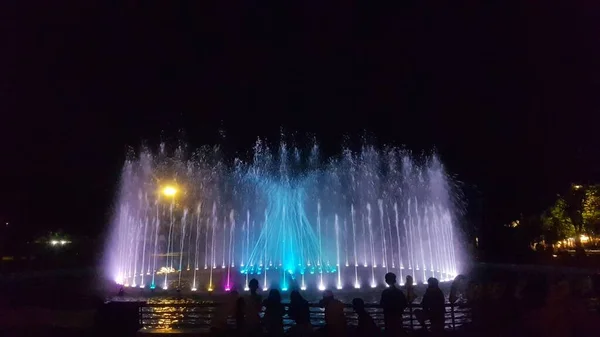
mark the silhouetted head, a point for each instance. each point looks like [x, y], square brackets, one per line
[409, 280]
[274, 296]
[295, 296]
[327, 297]
[358, 304]
[390, 278]
[253, 285]
[432, 282]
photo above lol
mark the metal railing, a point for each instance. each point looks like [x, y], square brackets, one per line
[200, 315]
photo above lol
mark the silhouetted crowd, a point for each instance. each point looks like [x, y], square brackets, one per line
[394, 302]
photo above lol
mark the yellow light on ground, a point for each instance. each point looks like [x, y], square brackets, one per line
[169, 191]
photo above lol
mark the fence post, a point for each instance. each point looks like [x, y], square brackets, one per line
[452, 315]
[410, 307]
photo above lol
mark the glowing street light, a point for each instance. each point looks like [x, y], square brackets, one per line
[169, 191]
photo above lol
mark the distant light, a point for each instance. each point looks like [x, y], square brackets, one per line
[169, 191]
[194, 289]
[63, 242]
[284, 289]
[387, 285]
[227, 289]
[165, 288]
[210, 289]
[339, 286]
[142, 286]
[246, 288]
[126, 285]
[356, 285]
[321, 287]
[54, 242]
[303, 288]
[554, 255]
[577, 187]
[265, 288]
[373, 285]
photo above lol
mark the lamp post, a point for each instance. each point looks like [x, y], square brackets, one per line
[169, 191]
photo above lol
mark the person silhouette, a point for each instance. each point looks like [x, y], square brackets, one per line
[299, 311]
[366, 325]
[274, 311]
[393, 302]
[335, 319]
[251, 306]
[409, 286]
[433, 305]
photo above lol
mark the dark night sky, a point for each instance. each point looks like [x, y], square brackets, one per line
[507, 92]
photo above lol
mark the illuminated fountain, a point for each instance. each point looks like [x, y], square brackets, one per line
[286, 218]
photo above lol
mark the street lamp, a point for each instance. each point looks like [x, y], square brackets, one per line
[169, 191]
